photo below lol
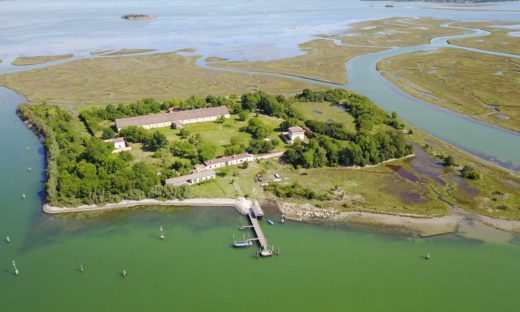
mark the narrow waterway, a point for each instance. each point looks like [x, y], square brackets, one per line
[492, 143]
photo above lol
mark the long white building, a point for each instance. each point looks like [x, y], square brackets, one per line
[179, 118]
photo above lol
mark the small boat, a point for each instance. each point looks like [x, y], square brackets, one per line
[29, 169]
[23, 195]
[7, 239]
[243, 244]
[124, 274]
[427, 256]
[81, 268]
[162, 234]
[266, 253]
[16, 271]
[270, 221]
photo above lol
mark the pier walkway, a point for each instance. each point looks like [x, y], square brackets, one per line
[258, 231]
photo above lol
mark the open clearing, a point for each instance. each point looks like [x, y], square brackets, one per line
[220, 134]
[325, 111]
[482, 86]
[98, 81]
[34, 60]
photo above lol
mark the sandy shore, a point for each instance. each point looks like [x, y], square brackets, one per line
[422, 225]
[240, 204]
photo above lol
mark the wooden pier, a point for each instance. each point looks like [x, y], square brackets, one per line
[258, 231]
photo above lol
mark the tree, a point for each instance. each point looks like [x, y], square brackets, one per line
[257, 128]
[108, 133]
[207, 151]
[126, 156]
[158, 140]
[244, 115]
[184, 133]
[183, 149]
[135, 135]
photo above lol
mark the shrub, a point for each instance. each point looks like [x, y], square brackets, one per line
[469, 173]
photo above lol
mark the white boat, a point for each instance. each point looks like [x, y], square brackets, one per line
[266, 253]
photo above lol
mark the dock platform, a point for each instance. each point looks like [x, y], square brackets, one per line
[258, 231]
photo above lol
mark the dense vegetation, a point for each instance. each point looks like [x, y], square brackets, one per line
[379, 136]
[82, 170]
[295, 190]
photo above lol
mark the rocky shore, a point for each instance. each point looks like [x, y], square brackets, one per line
[419, 224]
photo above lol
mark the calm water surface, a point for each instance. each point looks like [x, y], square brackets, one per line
[194, 269]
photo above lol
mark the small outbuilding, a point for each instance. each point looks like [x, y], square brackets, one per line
[119, 144]
[296, 133]
[293, 134]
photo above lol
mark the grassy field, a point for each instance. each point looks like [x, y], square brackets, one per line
[33, 60]
[499, 40]
[325, 111]
[220, 134]
[98, 81]
[323, 60]
[126, 52]
[398, 31]
[482, 86]
[411, 186]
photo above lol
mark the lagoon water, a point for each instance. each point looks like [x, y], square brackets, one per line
[321, 268]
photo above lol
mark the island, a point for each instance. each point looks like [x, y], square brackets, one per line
[319, 155]
[136, 17]
[35, 60]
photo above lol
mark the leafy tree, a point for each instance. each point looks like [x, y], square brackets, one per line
[243, 115]
[184, 133]
[108, 133]
[261, 146]
[257, 128]
[207, 151]
[135, 135]
[126, 156]
[158, 140]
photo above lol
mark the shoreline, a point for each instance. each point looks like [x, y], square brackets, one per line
[242, 205]
[422, 225]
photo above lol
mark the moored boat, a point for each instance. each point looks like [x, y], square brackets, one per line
[243, 244]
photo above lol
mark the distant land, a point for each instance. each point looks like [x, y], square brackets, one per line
[132, 17]
[449, 1]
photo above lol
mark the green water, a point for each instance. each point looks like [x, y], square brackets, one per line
[321, 267]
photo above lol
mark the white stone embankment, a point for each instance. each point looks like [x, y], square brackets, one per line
[241, 204]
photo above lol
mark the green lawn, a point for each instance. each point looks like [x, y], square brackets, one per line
[325, 111]
[372, 189]
[220, 134]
